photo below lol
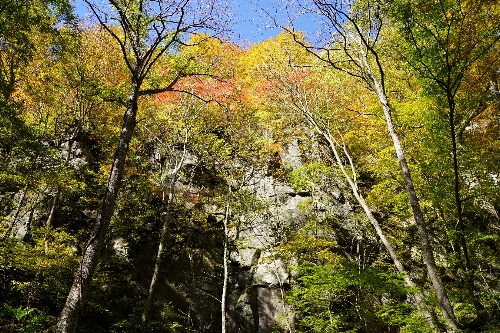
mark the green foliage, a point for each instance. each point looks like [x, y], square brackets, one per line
[34, 280]
[24, 320]
[16, 144]
[304, 247]
[344, 297]
[310, 176]
[20, 24]
[389, 191]
[442, 40]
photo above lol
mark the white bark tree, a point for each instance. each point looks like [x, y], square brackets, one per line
[354, 29]
[171, 171]
[297, 100]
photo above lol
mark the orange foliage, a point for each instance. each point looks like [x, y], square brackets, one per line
[225, 92]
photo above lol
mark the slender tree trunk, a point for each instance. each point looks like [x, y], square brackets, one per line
[163, 240]
[50, 219]
[158, 262]
[225, 273]
[456, 183]
[469, 278]
[29, 224]
[68, 320]
[425, 245]
[362, 57]
[418, 299]
[53, 208]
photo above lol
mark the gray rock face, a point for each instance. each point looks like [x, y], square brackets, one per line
[27, 205]
[259, 279]
[19, 219]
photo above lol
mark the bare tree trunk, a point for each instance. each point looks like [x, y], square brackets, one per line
[68, 320]
[425, 245]
[302, 105]
[50, 219]
[359, 47]
[146, 34]
[163, 240]
[469, 271]
[418, 299]
[53, 208]
[225, 273]
[456, 182]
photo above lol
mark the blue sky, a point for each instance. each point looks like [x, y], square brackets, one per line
[251, 23]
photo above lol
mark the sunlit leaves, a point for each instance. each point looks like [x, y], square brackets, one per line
[341, 297]
[22, 25]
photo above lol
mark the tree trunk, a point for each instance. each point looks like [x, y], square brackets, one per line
[418, 300]
[362, 57]
[53, 208]
[163, 239]
[50, 219]
[225, 273]
[68, 320]
[456, 183]
[469, 272]
[425, 245]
